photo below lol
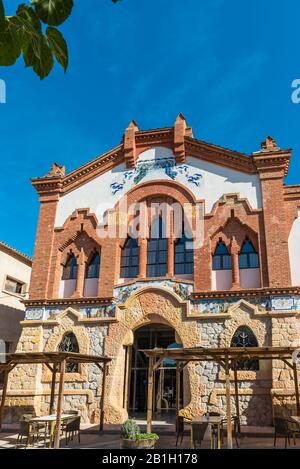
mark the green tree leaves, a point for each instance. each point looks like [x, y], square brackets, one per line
[58, 46]
[23, 34]
[31, 33]
[53, 12]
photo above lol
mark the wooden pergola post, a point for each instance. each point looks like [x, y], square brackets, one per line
[228, 404]
[150, 395]
[237, 403]
[104, 371]
[177, 388]
[296, 388]
[5, 382]
[60, 403]
[52, 395]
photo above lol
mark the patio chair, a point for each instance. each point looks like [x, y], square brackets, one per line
[294, 429]
[72, 428]
[282, 430]
[235, 432]
[30, 432]
[198, 431]
[179, 429]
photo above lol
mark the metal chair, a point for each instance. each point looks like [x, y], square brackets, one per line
[282, 430]
[197, 433]
[179, 429]
[27, 430]
[72, 428]
[235, 432]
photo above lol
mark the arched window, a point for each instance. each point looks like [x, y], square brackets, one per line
[70, 269]
[244, 337]
[130, 259]
[157, 252]
[221, 259]
[69, 344]
[184, 257]
[248, 257]
[93, 268]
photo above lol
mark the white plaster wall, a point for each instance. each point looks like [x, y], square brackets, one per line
[215, 182]
[294, 251]
[67, 288]
[12, 267]
[90, 287]
[250, 278]
[221, 280]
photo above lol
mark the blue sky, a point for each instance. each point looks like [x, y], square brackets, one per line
[226, 65]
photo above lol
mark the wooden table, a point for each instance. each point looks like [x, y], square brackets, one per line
[211, 420]
[296, 419]
[51, 420]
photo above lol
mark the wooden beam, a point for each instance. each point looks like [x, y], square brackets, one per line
[60, 403]
[177, 388]
[228, 404]
[237, 403]
[296, 388]
[52, 395]
[150, 395]
[5, 382]
[50, 367]
[101, 426]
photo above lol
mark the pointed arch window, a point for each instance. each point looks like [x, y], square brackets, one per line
[69, 343]
[93, 268]
[157, 251]
[248, 257]
[70, 269]
[130, 259]
[221, 259]
[244, 337]
[184, 257]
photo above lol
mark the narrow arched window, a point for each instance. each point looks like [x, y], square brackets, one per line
[244, 337]
[221, 259]
[157, 251]
[130, 259]
[70, 268]
[69, 343]
[248, 257]
[184, 256]
[93, 268]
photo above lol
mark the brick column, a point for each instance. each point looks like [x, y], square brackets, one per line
[143, 243]
[272, 165]
[203, 267]
[80, 275]
[109, 268]
[43, 250]
[235, 265]
[170, 258]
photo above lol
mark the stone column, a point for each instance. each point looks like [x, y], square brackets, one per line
[170, 257]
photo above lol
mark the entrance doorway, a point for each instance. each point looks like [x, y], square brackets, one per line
[164, 395]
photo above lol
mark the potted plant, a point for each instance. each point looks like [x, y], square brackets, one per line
[132, 438]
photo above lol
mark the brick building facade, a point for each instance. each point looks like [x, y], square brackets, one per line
[240, 285]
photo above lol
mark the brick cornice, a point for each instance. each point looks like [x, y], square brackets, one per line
[68, 302]
[251, 293]
[272, 164]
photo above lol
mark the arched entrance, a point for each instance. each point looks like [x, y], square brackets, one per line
[147, 337]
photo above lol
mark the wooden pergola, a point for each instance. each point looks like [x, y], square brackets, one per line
[228, 359]
[56, 362]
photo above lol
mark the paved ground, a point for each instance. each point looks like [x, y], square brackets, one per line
[256, 438]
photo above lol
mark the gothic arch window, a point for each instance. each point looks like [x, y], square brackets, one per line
[157, 251]
[184, 257]
[130, 259]
[248, 257]
[70, 268]
[244, 337]
[69, 343]
[221, 259]
[93, 267]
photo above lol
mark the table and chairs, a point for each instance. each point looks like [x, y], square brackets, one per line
[33, 429]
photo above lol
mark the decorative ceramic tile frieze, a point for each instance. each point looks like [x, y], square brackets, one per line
[283, 303]
[122, 293]
[143, 168]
